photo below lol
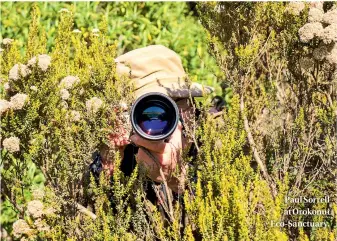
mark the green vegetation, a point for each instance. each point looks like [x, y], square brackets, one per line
[278, 58]
[277, 140]
[130, 25]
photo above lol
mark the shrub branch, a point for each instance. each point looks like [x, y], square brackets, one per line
[257, 158]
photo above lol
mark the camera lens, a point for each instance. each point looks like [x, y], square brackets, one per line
[154, 116]
[154, 120]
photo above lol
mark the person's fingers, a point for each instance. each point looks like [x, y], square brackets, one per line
[155, 146]
[124, 142]
[159, 146]
[118, 141]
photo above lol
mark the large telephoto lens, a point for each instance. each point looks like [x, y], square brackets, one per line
[154, 116]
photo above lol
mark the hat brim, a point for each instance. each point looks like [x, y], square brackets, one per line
[174, 88]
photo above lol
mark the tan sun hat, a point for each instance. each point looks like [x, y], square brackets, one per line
[158, 69]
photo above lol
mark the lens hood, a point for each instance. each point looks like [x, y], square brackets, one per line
[154, 116]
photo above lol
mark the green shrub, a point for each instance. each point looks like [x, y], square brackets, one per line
[57, 133]
[278, 57]
[58, 115]
[131, 24]
[260, 151]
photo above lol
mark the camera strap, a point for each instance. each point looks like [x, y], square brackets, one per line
[165, 200]
[183, 130]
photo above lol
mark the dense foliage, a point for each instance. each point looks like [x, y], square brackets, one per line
[130, 24]
[277, 140]
[280, 59]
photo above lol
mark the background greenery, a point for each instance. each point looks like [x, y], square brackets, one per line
[131, 25]
[289, 109]
[261, 150]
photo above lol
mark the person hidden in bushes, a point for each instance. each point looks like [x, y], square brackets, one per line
[156, 69]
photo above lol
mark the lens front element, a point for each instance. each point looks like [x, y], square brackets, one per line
[154, 116]
[154, 120]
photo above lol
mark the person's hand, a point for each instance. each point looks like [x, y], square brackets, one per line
[118, 140]
[166, 153]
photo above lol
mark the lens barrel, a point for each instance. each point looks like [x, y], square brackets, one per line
[154, 116]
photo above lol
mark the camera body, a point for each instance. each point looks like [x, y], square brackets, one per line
[154, 116]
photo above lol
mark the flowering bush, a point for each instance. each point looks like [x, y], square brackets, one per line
[277, 140]
[280, 58]
[55, 112]
[11, 144]
[133, 24]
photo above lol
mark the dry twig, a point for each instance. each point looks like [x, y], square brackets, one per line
[257, 158]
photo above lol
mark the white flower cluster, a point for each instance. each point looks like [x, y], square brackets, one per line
[49, 211]
[18, 101]
[315, 15]
[322, 26]
[316, 4]
[330, 17]
[64, 10]
[95, 30]
[295, 7]
[329, 34]
[93, 104]
[41, 226]
[314, 27]
[21, 227]
[43, 60]
[17, 70]
[66, 84]
[7, 87]
[4, 106]
[35, 208]
[74, 116]
[64, 94]
[22, 70]
[11, 144]
[69, 81]
[309, 31]
[33, 88]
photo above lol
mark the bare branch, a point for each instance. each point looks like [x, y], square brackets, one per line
[257, 158]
